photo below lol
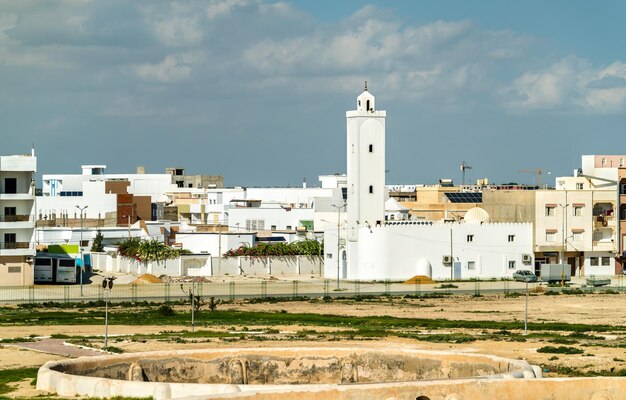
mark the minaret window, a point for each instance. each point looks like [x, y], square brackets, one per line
[371, 189]
[371, 148]
[368, 105]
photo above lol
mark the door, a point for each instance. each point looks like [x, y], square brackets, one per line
[572, 261]
[10, 185]
[9, 240]
[10, 214]
[344, 265]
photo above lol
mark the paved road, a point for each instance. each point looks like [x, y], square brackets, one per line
[56, 346]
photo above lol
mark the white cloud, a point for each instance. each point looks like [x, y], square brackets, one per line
[571, 84]
[217, 8]
[171, 69]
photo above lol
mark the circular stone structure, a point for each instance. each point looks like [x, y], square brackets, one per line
[312, 372]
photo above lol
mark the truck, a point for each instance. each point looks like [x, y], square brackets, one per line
[552, 273]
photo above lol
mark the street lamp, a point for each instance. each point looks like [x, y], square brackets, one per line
[338, 244]
[107, 285]
[564, 228]
[82, 261]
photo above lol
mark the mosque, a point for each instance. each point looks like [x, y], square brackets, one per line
[375, 240]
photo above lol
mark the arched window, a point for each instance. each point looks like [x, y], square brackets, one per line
[371, 189]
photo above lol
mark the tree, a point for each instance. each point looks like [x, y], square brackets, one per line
[148, 250]
[97, 246]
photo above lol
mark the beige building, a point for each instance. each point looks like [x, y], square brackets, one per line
[437, 202]
[17, 219]
[576, 227]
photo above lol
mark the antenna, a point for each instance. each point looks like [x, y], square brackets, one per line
[463, 168]
[366, 86]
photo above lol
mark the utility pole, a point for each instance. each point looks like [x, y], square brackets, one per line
[451, 258]
[80, 246]
[338, 241]
[107, 285]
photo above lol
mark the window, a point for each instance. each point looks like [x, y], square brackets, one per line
[621, 162]
[371, 189]
[577, 211]
[371, 148]
[603, 161]
[550, 211]
[329, 255]
[512, 264]
[577, 236]
[288, 227]
[579, 186]
[550, 236]
[273, 227]
[511, 238]
[593, 261]
[606, 261]
[470, 238]
[471, 265]
[15, 270]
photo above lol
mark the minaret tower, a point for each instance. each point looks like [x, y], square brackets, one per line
[366, 165]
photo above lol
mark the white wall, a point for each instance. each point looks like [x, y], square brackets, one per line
[392, 251]
[209, 242]
[272, 215]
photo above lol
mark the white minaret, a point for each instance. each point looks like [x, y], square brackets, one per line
[366, 165]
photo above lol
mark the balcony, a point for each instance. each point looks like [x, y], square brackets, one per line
[600, 221]
[17, 249]
[17, 196]
[17, 221]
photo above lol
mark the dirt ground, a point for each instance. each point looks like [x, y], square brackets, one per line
[607, 309]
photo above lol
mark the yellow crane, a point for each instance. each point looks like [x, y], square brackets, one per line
[537, 172]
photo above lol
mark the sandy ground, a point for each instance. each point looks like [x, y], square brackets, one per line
[589, 309]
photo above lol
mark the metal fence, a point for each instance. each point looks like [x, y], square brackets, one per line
[170, 292]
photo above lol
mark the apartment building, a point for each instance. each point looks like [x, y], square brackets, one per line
[17, 219]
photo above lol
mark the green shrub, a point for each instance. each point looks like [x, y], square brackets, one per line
[165, 310]
[560, 350]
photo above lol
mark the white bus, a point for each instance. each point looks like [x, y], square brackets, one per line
[66, 270]
[44, 272]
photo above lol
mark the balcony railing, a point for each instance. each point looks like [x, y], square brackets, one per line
[603, 220]
[17, 218]
[16, 245]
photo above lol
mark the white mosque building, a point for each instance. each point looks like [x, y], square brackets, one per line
[365, 245]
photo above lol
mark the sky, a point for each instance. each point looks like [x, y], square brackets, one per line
[257, 90]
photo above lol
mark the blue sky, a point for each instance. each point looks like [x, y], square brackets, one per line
[257, 90]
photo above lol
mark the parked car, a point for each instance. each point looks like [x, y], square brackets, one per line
[524, 276]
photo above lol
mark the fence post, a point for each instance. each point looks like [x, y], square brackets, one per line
[417, 288]
[325, 287]
[506, 287]
[263, 289]
[295, 288]
[231, 290]
[357, 288]
[387, 291]
[100, 292]
[31, 294]
[477, 287]
[167, 292]
[133, 291]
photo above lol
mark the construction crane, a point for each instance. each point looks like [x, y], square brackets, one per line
[463, 168]
[537, 172]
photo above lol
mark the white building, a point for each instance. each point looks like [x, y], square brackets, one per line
[61, 193]
[372, 246]
[17, 219]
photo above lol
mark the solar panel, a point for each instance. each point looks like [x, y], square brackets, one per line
[471, 197]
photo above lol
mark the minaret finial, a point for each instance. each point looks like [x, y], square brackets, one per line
[366, 86]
